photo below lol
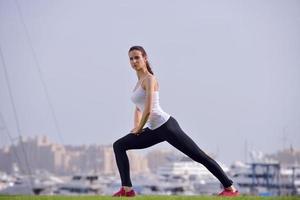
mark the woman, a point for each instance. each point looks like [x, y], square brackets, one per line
[160, 126]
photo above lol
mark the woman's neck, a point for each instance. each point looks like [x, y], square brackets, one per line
[142, 74]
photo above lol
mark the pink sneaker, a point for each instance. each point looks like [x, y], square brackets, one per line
[123, 193]
[229, 193]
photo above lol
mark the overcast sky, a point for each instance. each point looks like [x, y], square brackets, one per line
[229, 71]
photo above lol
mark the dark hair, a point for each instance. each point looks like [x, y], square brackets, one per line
[144, 54]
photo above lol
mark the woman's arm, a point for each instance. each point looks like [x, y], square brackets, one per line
[149, 85]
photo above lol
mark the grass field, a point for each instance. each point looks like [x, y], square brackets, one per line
[145, 198]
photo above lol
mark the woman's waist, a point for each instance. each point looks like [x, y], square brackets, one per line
[158, 115]
[155, 120]
[156, 109]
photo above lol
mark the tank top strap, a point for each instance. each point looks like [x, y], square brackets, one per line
[143, 79]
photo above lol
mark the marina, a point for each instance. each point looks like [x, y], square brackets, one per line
[182, 177]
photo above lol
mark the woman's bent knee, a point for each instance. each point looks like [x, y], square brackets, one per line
[116, 145]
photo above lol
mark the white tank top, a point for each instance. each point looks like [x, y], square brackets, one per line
[157, 117]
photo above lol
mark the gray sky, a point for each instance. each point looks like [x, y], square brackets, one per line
[229, 71]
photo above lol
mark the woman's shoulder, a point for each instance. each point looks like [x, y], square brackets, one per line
[151, 78]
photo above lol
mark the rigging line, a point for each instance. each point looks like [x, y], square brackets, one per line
[10, 92]
[15, 113]
[12, 142]
[40, 73]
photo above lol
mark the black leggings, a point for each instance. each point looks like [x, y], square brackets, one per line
[173, 134]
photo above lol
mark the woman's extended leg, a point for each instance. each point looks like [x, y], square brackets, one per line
[177, 138]
[131, 141]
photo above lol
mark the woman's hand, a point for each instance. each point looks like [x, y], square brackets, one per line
[136, 131]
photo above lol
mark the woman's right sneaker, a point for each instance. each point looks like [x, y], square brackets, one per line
[123, 193]
[229, 193]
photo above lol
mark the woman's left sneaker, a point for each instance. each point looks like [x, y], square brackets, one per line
[123, 193]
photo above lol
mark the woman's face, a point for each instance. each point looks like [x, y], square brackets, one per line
[137, 61]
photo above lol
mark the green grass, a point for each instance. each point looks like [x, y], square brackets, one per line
[18, 197]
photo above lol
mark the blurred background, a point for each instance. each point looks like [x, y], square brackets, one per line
[228, 72]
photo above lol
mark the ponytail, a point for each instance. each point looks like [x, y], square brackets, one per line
[149, 68]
